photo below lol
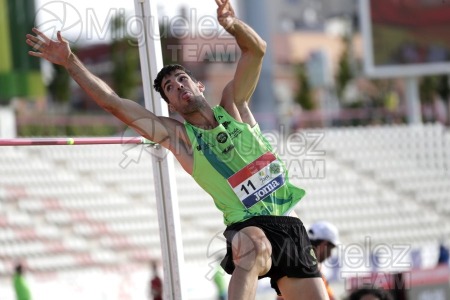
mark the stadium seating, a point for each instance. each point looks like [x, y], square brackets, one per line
[75, 207]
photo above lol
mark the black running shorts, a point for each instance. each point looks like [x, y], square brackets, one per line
[292, 253]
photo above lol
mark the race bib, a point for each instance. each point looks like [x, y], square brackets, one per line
[257, 180]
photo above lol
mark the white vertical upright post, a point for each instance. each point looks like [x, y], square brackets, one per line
[163, 165]
[413, 101]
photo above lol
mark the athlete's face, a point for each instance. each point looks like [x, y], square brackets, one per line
[182, 92]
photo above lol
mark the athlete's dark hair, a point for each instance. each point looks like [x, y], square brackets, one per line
[167, 70]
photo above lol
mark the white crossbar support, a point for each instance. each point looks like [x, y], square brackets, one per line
[164, 174]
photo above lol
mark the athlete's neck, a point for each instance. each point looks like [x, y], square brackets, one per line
[203, 118]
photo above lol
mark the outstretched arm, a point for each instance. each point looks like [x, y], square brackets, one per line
[253, 47]
[161, 130]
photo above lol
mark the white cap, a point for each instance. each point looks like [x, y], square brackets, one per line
[323, 230]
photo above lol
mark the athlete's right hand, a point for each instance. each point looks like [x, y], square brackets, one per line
[55, 51]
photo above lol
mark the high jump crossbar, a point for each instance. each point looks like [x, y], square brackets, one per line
[64, 141]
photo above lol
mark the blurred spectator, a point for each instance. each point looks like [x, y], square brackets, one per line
[416, 258]
[374, 262]
[443, 254]
[20, 285]
[156, 287]
[219, 282]
[324, 238]
[370, 293]
[334, 263]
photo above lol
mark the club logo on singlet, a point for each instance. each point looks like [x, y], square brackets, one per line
[222, 137]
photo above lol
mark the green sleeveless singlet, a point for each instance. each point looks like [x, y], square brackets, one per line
[234, 147]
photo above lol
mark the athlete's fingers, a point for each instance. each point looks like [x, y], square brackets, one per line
[41, 35]
[60, 38]
[32, 38]
[33, 44]
[36, 54]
